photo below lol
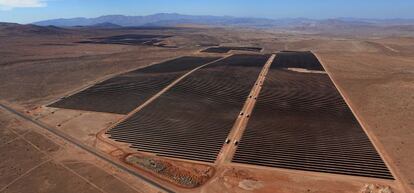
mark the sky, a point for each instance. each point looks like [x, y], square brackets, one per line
[27, 11]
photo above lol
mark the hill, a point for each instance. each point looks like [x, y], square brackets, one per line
[173, 19]
[18, 29]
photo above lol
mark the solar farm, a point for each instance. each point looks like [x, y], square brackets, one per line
[188, 109]
[192, 109]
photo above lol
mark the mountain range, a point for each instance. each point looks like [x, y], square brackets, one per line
[173, 19]
[15, 29]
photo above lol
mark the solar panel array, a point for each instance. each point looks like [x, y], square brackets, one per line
[301, 122]
[125, 92]
[193, 118]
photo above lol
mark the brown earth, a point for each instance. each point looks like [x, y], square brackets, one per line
[375, 74]
[36, 161]
[182, 174]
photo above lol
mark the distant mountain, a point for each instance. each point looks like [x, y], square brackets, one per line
[5, 25]
[162, 19]
[106, 25]
[344, 26]
[18, 29]
[173, 19]
[392, 21]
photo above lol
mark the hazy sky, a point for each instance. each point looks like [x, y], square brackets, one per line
[25, 11]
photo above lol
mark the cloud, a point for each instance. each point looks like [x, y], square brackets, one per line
[10, 4]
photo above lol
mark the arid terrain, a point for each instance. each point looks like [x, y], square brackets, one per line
[50, 149]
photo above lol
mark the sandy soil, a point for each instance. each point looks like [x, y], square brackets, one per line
[380, 90]
[374, 74]
[245, 178]
[36, 161]
[82, 125]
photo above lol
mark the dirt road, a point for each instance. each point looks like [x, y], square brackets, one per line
[84, 147]
[227, 152]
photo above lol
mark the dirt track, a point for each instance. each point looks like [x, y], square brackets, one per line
[196, 114]
[82, 146]
[227, 152]
[374, 74]
[302, 122]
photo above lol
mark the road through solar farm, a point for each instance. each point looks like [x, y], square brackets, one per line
[318, 107]
[301, 122]
[193, 118]
[244, 110]
[123, 93]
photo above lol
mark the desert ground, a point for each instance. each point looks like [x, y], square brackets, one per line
[47, 149]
